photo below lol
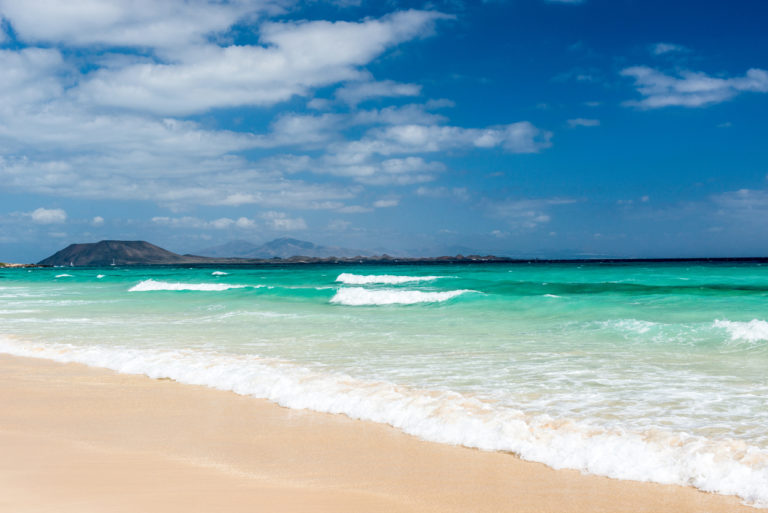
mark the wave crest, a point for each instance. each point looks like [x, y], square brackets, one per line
[152, 285]
[357, 296]
[387, 279]
[446, 417]
[752, 331]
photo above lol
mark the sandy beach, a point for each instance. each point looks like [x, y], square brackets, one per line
[77, 438]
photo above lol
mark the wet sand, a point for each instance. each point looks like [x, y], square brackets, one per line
[79, 439]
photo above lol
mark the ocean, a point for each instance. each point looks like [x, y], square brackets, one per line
[644, 371]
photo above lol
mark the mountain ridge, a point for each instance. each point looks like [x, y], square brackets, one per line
[115, 252]
[282, 247]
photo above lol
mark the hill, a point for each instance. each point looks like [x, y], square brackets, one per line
[231, 249]
[118, 252]
[284, 247]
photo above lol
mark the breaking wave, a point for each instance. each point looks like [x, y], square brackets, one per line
[358, 296]
[721, 466]
[152, 285]
[752, 331]
[388, 279]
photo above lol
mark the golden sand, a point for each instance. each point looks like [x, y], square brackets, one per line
[79, 439]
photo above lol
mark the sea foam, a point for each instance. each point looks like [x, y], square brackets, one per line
[752, 331]
[388, 279]
[721, 466]
[152, 285]
[357, 296]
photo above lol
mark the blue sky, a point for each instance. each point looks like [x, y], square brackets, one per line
[528, 128]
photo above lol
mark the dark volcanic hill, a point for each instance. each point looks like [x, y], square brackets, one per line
[116, 252]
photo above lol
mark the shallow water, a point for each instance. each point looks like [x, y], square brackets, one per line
[637, 371]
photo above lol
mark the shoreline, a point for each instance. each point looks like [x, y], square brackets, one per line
[79, 438]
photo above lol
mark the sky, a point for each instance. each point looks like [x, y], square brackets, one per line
[527, 128]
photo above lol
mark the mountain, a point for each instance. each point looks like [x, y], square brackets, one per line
[284, 247]
[279, 251]
[234, 248]
[117, 252]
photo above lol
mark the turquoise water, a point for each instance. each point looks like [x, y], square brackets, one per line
[636, 371]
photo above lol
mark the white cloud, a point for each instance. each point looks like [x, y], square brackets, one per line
[189, 222]
[404, 115]
[339, 225]
[143, 23]
[245, 223]
[30, 75]
[525, 213]
[386, 203]
[303, 130]
[179, 222]
[279, 221]
[583, 122]
[520, 137]
[691, 89]
[381, 156]
[459, 193]
[105, 133]
[47, 216]
[746, 203]
[396, 171]
[221, 223]
[662, 48]
[356, 92]
[293, 58]
[371, 160]
[354, 209]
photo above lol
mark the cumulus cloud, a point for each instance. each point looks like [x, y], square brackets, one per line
[690, 89]
[189, 222]
[583, 122]
[394, 171]
[459, 193]
[280, 221]
[388, 155]
[386, 203]
[292, 59]
[380, 157]
[90, 113]
[522, 137]
[663, 48]
[144, 23]
[47, 216]
[356, 92]
[744, 203]
[30, 75]
[525, 213]
[57, 139]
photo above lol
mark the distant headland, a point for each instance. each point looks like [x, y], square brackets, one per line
[127, 253]
[292, 251]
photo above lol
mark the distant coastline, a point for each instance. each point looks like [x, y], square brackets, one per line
[140, 253]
